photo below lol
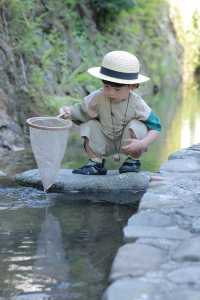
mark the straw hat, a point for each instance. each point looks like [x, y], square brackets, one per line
[120, 67]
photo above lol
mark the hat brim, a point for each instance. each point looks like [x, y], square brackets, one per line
[96, 72]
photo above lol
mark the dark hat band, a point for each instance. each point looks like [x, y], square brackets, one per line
[120, 75]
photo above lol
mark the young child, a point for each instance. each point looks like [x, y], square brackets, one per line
[114, 119]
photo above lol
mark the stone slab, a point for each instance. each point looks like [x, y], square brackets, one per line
[135, 260]
[158, 201]
[171, 233]
[130, 289]
[185, 165]
[188, 250]
[189, 275]
[146, 218]
[182, 294]
[120, 187]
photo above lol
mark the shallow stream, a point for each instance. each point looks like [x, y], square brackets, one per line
[57, 249]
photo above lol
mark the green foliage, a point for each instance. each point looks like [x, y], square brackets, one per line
[55, 102]
[141, 30]
[108, 10]
[110, 7]
[58, 44]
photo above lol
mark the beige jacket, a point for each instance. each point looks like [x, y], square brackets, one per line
[113, 116]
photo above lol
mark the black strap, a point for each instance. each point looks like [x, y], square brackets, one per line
[120, 75]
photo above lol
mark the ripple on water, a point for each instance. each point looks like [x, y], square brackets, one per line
[14, 198]
[32, 296]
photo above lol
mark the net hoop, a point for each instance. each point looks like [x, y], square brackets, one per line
[32, 122]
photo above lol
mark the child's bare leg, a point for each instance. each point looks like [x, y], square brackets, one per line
[95, 165]
[91, 154]
[136, 154]
[132, 163]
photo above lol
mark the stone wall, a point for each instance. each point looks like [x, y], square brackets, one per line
[161, 255]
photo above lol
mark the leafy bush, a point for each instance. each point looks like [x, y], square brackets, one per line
[108, 10]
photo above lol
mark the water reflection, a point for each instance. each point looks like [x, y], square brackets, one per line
[184, 128]
[180, 116]
[57, 251]
[191, 116]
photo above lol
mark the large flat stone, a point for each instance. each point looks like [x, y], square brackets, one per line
[196, 225]
[131, 289]
[135, 260]
[160, 243]
[150, 218]
[159, 201]
[120, 187]
[185, 165]
[188, 250]
[182, 294]
[188, 275]
[171, 233]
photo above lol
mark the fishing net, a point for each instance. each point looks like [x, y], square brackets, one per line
[48, 137]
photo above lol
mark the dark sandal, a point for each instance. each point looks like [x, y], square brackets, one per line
[130, 165]
[91, 168]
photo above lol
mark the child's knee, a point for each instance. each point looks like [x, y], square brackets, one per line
[131, 133]
[137, 129]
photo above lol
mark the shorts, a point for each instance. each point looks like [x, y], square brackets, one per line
[103, 145]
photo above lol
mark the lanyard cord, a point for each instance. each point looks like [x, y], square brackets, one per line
[117, 156]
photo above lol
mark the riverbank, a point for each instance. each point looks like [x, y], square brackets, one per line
[161, 255]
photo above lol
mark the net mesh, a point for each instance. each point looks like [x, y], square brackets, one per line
[48, 137]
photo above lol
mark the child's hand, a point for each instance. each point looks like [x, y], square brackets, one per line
[134, 147]
[65, 111]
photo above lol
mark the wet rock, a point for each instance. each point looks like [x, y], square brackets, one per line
[185, 153]
[158, 201]
[10, 132]
[135, 260]
[182, 294]
[131, 289]
[181, 221]
[159, 243]
[189, 211]
[2, 174]
[196, 225]
[195, 147]
[189, 275]
[188, 250]
[185, 165]
[153, 218]
[171, 233]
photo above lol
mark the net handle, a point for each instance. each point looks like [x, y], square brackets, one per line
[67, 123]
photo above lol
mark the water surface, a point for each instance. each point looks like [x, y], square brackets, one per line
[55, 249]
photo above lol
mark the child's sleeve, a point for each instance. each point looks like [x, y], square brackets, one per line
[86, 110]
[145, 114]
[153, 122]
